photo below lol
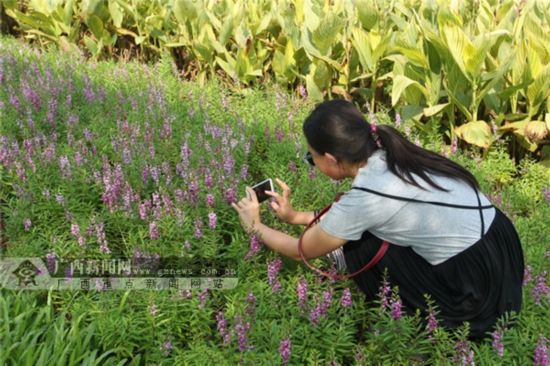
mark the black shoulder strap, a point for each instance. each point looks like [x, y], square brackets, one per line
[480, 214]
[479, 207]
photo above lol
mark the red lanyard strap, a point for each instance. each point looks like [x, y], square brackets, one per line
[377, 257]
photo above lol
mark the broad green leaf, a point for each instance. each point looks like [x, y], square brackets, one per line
[313, 91]
[68, 11]
[310, 16]
[482, 45]
[227, 66]
[184, 10]
[400, 83]
[90, 7]
[213, 41]
[414, 56]
[367, 13]
[9, 4]
[43, 6]
[459, 46]
[327, 33]
[91, 45]
[242, 35]
[539, 90]
[96, 26]
[432, 111]
[361, 44]
[305, 42]
[117, 13]
[411, 112]
[322, 75]
[476, 133]
[266, 20]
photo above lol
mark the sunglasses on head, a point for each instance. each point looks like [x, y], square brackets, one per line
[309, 159]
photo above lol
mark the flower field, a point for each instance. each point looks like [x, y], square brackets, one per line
[125, 160]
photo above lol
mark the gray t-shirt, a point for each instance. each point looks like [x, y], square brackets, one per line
[434, 232]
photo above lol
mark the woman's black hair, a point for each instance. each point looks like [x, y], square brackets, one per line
[339, 128]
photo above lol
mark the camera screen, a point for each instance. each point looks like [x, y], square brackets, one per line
[261, 187]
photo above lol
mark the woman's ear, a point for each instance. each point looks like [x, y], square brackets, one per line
[330, 158]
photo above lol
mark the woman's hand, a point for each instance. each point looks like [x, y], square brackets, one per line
[281, 203]
[249, 210]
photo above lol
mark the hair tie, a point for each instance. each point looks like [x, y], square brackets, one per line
[375, 137]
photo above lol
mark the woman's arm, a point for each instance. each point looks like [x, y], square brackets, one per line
[316, 241]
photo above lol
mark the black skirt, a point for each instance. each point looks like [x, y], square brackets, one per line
[478, 285]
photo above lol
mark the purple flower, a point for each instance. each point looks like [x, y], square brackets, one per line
[198, 228]
[345, 301]
[284, 350]
[311, 173]
[292, 166]
[301, 290]
[497, 344]
[250, 298]
[464, 355]
[432, 323]
[327, 301]
[396, 309]
[279, 134]
[142, 211]
[272, 269]
[255, 246]
[315, 314]
[397, 120]
[222, 327]
[546, 193]
[51, 261]
[75, 230]
[210, 200]
[321, 309]
[212, 220]
[244, 172]
[153, 231]
[241, 330]
[251, 303]
[302, 90]
[167, 347]
[541, 353]
[193, 192]
[203, 296]
[231, 195]
[27, 224]
[228, 164]
[383, 294]
[208, 181]
[540, 289]
[100, 236]
[145, 174]
[454, 145]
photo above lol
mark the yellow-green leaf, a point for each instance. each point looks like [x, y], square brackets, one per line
[476, 133]
[432, 111]
[400, 83]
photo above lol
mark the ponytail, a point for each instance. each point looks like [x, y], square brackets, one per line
[406, 160]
